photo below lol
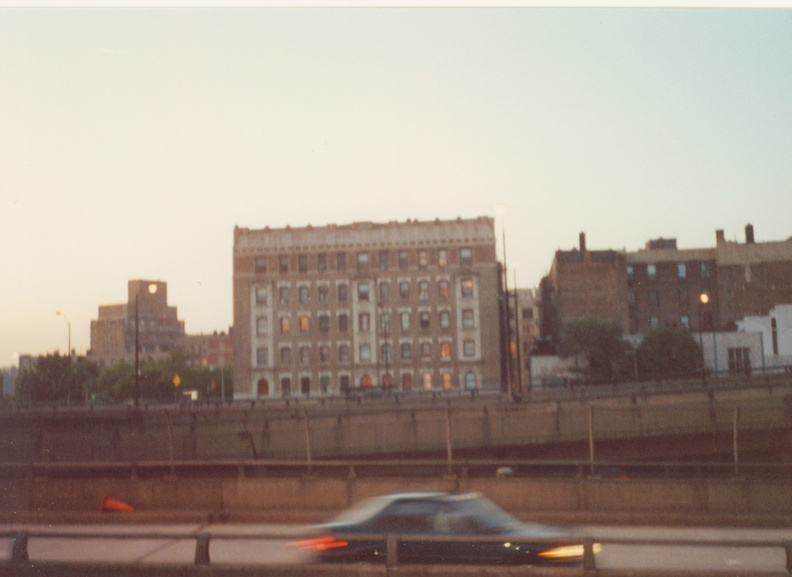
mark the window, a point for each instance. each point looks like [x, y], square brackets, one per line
[343, 353]
[321, 262]
[427, 381]
[262, 356]
[341, 261]
[406, 381]
[442, 258]
[681, 270]
[364, 322]
[443, 288]
[324, 323]
[446, 381]
[285, 355]
[261, 295]
[468, 318]
[424, 320]
[343, 383]
[305, 386]
[304, 295]
[445, 350]
[365, 381]
[740, 360]
[685, 321]
[423, 259]
[283, 294]
[283, 264]
[630, 271]
[651, 271]
[324, 384]
[705, 270]
[527, 313]
[653, 299]
[465, 256]
[384, 291]
[285, 325]
[302, 263]
[467, 287]
[323, 294]
[305, 324]
[342, 293]
[423, 290]
[654, 322]
[631, 298]
[406, 351]
[470, 380]
[383, 260]
[445, 319]
[402, 259]
[363, 291]
[261, 264]
[385, 353]
[365, 353]
[305, 355]
[362, 261]
[262, 326]
[286, 386]
[385, 322]
[404, 319]
[324, 354]
[426, 351]
[343, 323]
[404, 290]
[469, 348]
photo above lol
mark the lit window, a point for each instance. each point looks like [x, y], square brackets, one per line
[261, 295]
[285, 325]
[445, 350]
[305, 324]
[423, 290]
[427, 381]
[447, 381]
[467, 287]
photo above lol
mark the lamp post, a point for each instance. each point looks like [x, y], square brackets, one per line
[68, 393]
[152, 289]
[703, 301]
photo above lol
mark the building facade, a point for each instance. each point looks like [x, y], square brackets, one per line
[209, 350]
[334, 309]
[114, 334]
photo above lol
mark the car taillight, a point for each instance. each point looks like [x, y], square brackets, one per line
[567, 551]
[319, 544]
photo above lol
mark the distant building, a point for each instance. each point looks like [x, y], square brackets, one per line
[524, 331]
[210, 350]
[399, 306]
[113, 333]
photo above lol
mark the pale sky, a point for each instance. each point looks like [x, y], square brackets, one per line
[132, 141]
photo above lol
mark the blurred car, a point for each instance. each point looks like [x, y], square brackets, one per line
[443, 518]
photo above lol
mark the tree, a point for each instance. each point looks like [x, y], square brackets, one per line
[669, 352]
[600, 343]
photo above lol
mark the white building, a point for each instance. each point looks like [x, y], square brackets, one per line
[776, 334]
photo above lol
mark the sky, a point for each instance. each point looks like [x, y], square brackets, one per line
[134, 140]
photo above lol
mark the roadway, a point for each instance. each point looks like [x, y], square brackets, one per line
[692, 549]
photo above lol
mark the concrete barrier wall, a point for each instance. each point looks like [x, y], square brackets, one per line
[314, 497]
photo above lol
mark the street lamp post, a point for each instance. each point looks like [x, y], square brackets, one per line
[68, 351]
[703, 301]
[152, 289]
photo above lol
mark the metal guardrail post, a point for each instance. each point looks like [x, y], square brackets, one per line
[391, 551]
[202, 549]
[19, 548]
[589, 563]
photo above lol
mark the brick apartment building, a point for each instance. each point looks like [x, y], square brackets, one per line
[661, 285]
[399, 305]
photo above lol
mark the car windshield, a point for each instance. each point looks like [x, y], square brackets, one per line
[487, 515]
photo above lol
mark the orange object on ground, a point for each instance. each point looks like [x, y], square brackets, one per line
[110, 505]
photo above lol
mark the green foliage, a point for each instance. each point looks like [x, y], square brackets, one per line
[54, 379]
[669, 352]
[600, 343]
